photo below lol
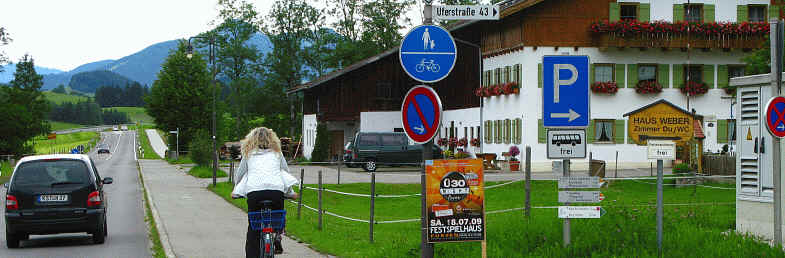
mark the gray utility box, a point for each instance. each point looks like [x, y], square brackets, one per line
[754, 166]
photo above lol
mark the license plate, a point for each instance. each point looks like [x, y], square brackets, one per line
[53, 198]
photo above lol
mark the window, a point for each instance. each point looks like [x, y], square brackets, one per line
[735, 71]
[603, 130]
[628, 12]
[694, 73]
[693, 12]
[647, 73]
[603, 72]
[757, 13]
[732, 130]
[368, 139]
[393, 140]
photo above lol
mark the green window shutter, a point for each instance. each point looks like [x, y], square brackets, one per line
[722, 131]
[518, 75]
[678, 12]
[678, 76]
[742, 13]
[591, 73]
[708, 13]
[614, 12]
[590, 132]
[498, 76]
[540, 132]
[513, 130]
[507, 131]
[774, 11]
[539, 75]
[662, 75]
[484, 77]
[518, 130]
[708, 75]
[498, 138]
[629, 137]
[644, 12]
[618, 131]
[722, 76]
[632, 75]
[620, 75]
[487, 132]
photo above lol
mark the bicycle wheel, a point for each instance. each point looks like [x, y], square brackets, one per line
[435, 68]
[268, 248]
[420, 68]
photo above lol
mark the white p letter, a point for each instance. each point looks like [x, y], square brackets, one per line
[557, 82]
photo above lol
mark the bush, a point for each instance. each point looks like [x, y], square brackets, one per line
[681, 168]
[200, 148]
[322, 147]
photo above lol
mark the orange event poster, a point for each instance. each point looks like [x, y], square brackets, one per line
[455, 200]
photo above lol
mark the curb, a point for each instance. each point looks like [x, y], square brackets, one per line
[162, 234]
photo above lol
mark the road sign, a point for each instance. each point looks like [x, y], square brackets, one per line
[565, 91]
[661, 150]
[581, 212]
[428, 53]
[775, 116]
[580, 196]
[466, 12]
[421, 113]
[572, 182]
[566, 144]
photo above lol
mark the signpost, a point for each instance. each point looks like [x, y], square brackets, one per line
[428, 53]
[575, 182]
[581, 212]
[565, 92]
[177, 149]
[455, 200]
[660, 149]
[466, 12]
[580, 196]
[566, 144]
[421, 114]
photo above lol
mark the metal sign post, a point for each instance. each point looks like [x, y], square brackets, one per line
[566, 226]
[776, 72]
[660, 150]
[659, 208]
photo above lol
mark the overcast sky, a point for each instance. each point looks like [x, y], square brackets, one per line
[64, 34]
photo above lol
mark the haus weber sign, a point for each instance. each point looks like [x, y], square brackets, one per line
[660, 120]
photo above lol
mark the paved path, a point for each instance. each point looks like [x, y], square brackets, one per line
[156, 142]
[197, 222]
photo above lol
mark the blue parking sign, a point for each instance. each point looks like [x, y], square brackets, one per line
[428, 53]
[565, 91]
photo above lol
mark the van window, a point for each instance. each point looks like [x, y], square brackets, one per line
[393, 140]
[45, 173]
[368, 139]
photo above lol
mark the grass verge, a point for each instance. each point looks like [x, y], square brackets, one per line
[627, 230]
[205, 172]
[63, 143]
[147, 149]
[5, 171]
[185, 159]
[157, 248]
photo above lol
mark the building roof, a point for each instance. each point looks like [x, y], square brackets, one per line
[655, 103]
[506, 8]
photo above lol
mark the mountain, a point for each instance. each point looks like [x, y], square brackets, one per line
[8, 72]
[92, 80]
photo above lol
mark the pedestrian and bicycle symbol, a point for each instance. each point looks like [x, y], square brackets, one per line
[421, 114]
[775, 116]
[428, 53]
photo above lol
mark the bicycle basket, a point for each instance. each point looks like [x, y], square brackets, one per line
[276, 219]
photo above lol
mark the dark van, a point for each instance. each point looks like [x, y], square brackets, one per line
[375, 148]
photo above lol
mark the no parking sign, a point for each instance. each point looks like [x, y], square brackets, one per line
[421, 114]
[775, 116]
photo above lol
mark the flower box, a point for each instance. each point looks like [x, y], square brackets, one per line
[605, 87]
[648, 87]
[695, 88]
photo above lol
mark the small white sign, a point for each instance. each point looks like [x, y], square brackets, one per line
[466, 12]
[566, 144]
[661, 149]
[573, 182]
[580, 196]
[580, 212]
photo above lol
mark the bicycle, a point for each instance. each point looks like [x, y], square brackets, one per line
[269, 222]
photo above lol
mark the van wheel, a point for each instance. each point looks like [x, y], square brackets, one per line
[369, 166]
[12, 240]
[99, 236]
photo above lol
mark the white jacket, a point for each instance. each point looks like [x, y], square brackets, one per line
[263, 170]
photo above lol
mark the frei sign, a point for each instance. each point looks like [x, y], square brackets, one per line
[661, 150]
[466, 12]
[566, 144]
[660, 120]
[455, 200]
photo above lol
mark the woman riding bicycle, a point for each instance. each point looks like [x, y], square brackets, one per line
[262, 175]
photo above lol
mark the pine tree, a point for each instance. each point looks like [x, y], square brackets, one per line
[23, 109]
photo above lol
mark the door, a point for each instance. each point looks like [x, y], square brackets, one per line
[764, 149]
[336, 144]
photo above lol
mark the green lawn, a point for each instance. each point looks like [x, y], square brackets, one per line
[59, 98]
[57, 126]
[205, 172]
[135, 114]
[65, 142]
[149, 153]
[627, 230]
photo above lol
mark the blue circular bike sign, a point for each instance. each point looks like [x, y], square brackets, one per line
[428, 53]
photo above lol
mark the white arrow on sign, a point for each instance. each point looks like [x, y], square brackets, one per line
[420, 129]
[572, 115]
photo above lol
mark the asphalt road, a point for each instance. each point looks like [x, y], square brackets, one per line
[126, 225]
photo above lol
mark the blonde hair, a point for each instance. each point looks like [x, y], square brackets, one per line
[260, 138]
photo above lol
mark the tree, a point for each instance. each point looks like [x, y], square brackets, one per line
[4, 40]
[181, 97]
[759, 62]
[381, 23]
[23, 109]
[322, 146]
[60, 89]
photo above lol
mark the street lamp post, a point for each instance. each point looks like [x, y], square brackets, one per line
[211, 40]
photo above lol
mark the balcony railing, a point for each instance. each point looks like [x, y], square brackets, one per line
[677, 41]
[661, 34]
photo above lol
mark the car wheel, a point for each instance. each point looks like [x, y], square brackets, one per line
[12, 241]
[370, 166]
[99, 236]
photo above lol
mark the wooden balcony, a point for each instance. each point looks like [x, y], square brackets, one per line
[667, 41]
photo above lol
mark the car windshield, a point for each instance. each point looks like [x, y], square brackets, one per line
[51, 173]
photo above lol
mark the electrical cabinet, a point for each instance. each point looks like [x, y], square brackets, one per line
[754, 158]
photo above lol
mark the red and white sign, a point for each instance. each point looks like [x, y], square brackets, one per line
[775, 116]
[421, 113]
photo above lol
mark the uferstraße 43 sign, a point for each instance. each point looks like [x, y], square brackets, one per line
[455, 200]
